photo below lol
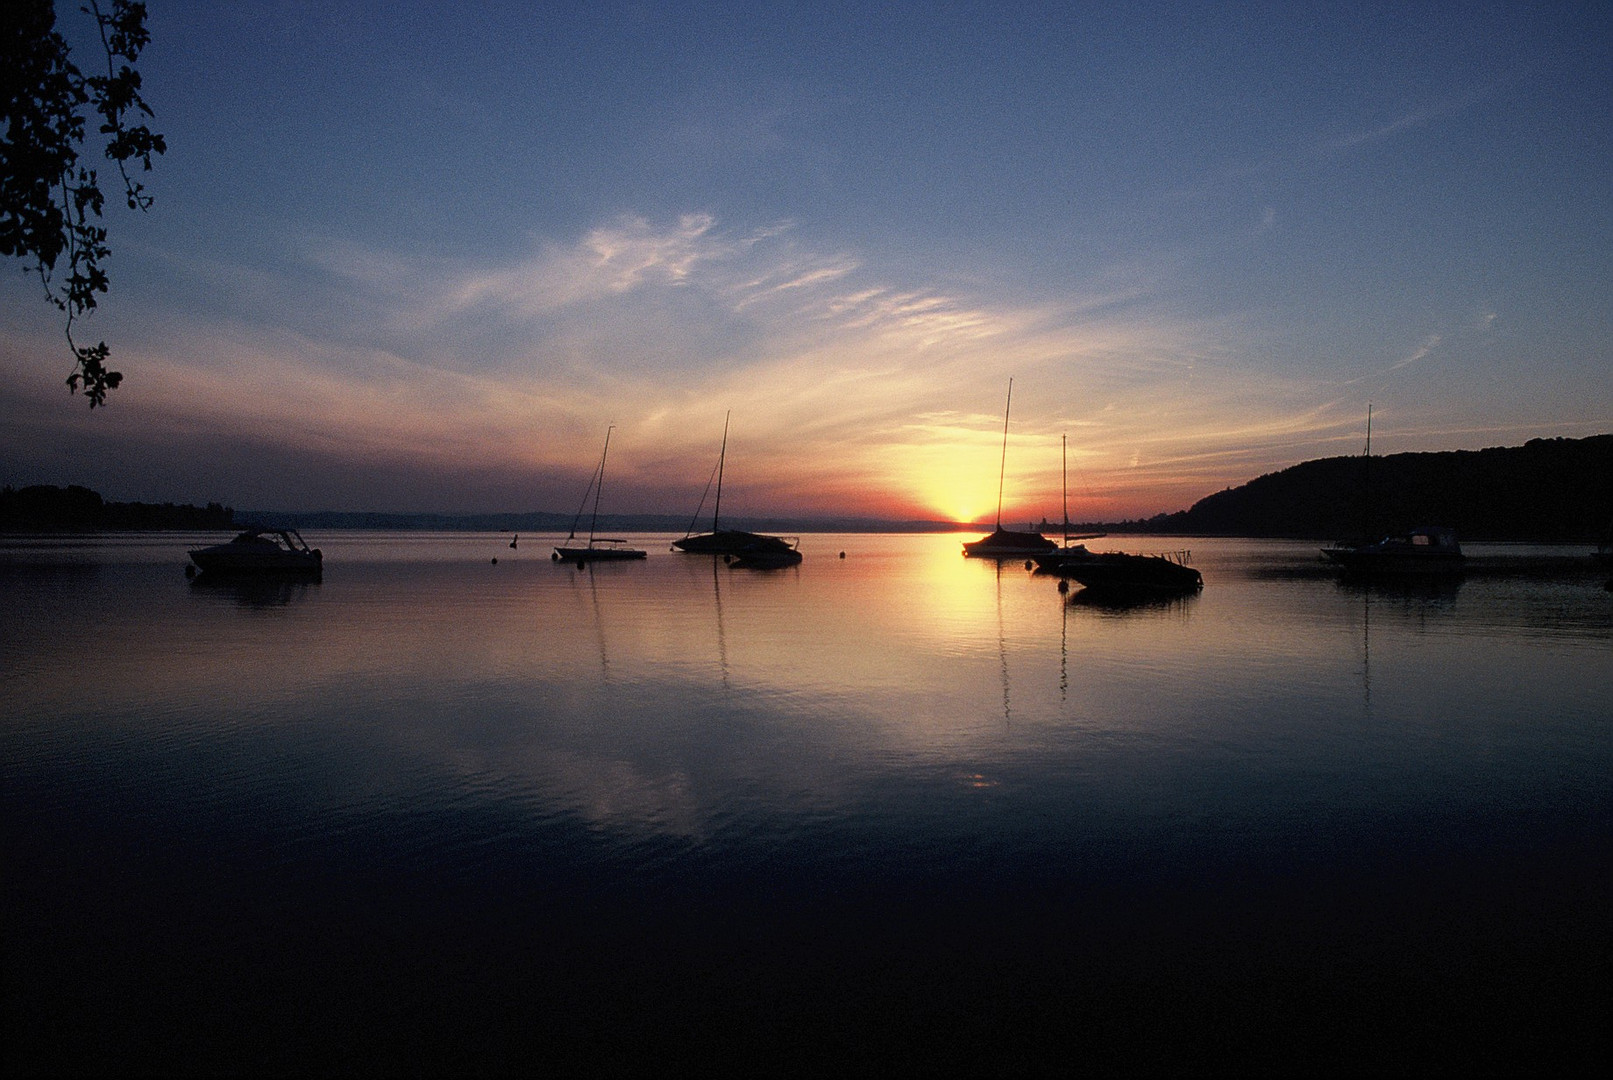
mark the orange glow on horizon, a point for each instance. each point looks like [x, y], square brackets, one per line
[954, 477]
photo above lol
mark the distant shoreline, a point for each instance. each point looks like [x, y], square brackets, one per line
[1546, 491]
[249, 520]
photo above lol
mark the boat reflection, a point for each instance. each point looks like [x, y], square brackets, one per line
[261, 591]
[764, 560]
[1002, 648]
[1121, 601]
[585, 574]
[722, 637]
[1441, 588]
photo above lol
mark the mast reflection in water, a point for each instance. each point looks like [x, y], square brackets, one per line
[900, 810]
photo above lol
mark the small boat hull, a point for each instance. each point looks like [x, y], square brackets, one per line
[232, 563]
[598, 548]
[1116, 571]
[260, 553]
[1056, 562]
[734, 542]
[580, 555]
[1374, 562]
[1008, 544]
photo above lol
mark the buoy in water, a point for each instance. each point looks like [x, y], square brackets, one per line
[495, 560]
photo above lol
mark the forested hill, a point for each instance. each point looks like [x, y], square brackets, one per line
[1547, 489]
[78, 509]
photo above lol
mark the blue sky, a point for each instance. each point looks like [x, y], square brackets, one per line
[419, 256]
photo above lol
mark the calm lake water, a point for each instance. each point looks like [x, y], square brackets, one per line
[897, 811]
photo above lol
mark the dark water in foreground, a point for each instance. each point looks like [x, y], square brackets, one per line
[900, 811]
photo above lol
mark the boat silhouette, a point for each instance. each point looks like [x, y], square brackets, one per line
[1431, 550]
[720, 541]
[613, 549]
[1006, 543]
[258, 552]
[1067, 553]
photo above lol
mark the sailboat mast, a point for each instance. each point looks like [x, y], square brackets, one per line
[601, 485]
[722, 455]
[583, 504]
[1366, 480]
[1064, 462]
[1002, 470]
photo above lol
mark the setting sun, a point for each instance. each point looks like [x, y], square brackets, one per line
[953, 480]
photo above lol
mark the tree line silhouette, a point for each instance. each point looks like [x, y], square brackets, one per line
[42, 508]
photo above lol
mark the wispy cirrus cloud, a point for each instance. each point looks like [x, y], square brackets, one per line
[1421, 352]
[608, 261]
[851, 388]
[1406, 122]
[1308, 149]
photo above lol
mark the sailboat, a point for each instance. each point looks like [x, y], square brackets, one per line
[1067, 553]
[1117, 572]
[719, 541]
[612, 549]
[1005, 543]
[1425, 550]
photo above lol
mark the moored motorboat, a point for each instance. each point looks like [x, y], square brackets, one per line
[1418, 551]
[260, 551]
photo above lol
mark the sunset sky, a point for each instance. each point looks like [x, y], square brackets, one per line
[417, 257]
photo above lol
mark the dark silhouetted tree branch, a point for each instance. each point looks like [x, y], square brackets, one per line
[50, 203]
